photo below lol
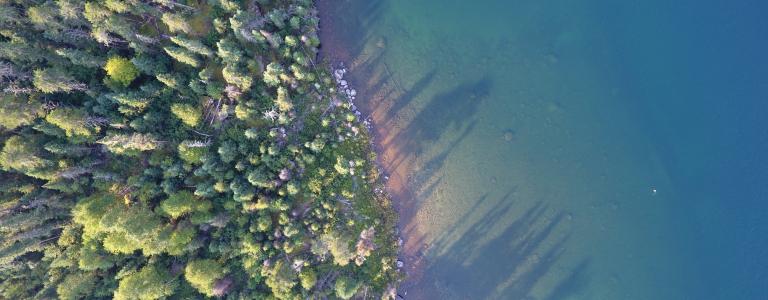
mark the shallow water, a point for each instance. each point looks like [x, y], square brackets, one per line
[569, 149]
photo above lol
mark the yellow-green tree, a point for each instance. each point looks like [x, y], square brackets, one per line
[183, 202]
[121, 70]
[189, 115]
[72, 120]
[202, 274]
[149, 283]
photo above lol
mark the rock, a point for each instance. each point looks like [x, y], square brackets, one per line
[509, 135]
[285, 174]
[381, 43]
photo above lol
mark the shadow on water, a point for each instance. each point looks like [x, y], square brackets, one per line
[452, 110]
[501, 247]
[483, 262]
[574, 284]
[449, 110]
[409, 94]
[350, 27]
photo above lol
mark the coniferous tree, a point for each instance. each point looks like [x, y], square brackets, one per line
[53, 80]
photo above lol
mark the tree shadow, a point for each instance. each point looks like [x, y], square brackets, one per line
[482, 262]
[345, 28]
[410, 94]
[448, 111]
[574, 284]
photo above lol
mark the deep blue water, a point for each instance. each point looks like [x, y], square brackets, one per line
[572, 149]
[697, 72]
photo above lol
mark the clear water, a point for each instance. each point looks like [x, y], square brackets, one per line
[570, 149]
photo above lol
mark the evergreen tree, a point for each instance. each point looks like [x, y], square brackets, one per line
[182, 203]
[346, 287]
[203, 274]
[81, 57]
[187, 113]
[53, 80]
[129, 144]
[77, 285]
[149, 283]
[73, 121]
[192, 45]
[236, 76]
[21, 155]
[121, 70]
[176, 23]
[183, 56]
[17, 110]
[281, 279]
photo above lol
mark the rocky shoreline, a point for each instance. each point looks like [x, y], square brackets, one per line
[366, 101]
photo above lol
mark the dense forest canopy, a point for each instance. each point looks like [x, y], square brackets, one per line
[182, 150]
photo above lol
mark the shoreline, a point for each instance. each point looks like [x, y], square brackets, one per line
[373, 100]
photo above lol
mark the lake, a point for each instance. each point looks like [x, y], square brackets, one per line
[568, 149]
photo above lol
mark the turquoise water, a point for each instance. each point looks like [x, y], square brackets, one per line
[569, 149]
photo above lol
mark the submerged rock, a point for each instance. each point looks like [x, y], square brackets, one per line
[381, 43]
[509, 135]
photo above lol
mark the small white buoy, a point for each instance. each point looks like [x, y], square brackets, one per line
[653, 191]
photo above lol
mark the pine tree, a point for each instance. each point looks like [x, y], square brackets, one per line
[183, 56]
[346, 287]
[81, 57]
[21, 155]
[202, 274]
[282, 101]
[229, 51]
[188, 114]
[77, 285]
[53, 80]
[280, 278]
[236, 76]
[183, 202]
[129, 144]
[272, 74]
[192, 45]
[176, 23]
[73, 121]
[149, 283]
[18, 110]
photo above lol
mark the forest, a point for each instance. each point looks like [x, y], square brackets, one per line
[161, 149]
